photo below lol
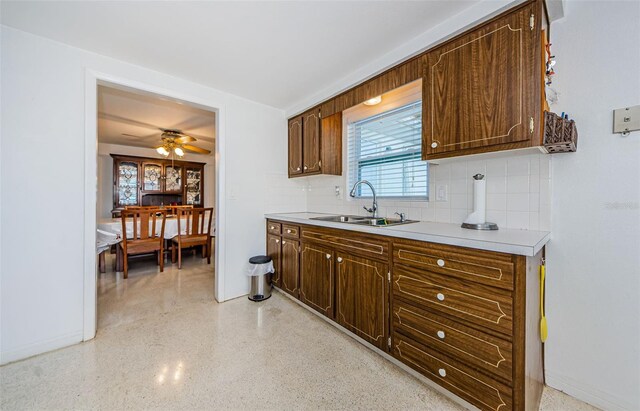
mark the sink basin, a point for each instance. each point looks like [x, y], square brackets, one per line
[341, 218]
[360, 220]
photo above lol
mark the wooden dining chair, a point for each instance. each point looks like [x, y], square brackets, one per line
[194, 229]
[147, 237]
[173, 209]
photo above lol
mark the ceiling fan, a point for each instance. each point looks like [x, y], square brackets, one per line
[176, 142]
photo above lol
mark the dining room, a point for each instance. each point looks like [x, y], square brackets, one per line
[155, 205]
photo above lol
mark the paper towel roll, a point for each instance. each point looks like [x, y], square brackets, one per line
[479, 215]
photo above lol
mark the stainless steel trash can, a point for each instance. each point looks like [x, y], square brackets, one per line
[260, 272]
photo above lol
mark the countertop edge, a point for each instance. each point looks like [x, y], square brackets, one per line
[501, 247]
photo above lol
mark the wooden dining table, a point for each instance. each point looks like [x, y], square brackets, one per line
[114, 225]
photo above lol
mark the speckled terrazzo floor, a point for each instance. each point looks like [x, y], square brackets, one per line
[163, 343]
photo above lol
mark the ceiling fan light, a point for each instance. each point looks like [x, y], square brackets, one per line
[178, 151]
[162, 150]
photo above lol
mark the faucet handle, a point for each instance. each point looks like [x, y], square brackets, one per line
[370, 210]
[401, 215]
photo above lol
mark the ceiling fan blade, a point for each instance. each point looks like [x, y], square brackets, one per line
[131, 135]
[196, 149]
[183, 139]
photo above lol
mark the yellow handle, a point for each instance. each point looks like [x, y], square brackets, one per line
[543, 319]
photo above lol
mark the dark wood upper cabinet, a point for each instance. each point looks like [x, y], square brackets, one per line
[311, 142]
[317, 278]
[290, 266]
[481, 91]
[362, 297]
[295, 146]
[315, 144]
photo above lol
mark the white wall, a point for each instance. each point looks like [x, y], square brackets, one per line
[593, 285]
[42, 171]
[105, 173]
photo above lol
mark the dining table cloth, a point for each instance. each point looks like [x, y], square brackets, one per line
[114, 226]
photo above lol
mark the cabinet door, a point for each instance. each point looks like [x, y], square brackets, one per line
[126, 184]
[151, 177]
[290, 266]
[316, 278]
[173, 178]
[295, 146]
[362, 297]
[311, 142]
[482, 89]
[193, 194]
[274, 251]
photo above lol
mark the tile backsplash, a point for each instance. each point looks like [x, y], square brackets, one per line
[518, 192]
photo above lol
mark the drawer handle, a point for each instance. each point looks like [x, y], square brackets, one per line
[339, 259]
[328, 256]
[272, 228]
[440, 262]
[441, 335]
[440, 296]
[442, 372]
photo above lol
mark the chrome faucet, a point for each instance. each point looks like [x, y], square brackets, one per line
[374, 207]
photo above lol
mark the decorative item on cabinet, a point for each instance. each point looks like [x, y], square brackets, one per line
[315, 144]
[560, 134]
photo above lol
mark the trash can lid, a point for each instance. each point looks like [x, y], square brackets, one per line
[260, 259]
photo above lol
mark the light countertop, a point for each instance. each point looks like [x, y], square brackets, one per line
[504, 240]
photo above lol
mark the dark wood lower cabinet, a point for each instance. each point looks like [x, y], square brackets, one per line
[466, 319]
[274, 250]
[290, 271]
[362, 297]
[317, 278]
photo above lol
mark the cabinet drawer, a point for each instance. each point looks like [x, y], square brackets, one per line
[291, 231]
[274, 228]
[480, 390]
[348, 241]
[471, 303]
[462, 343]
[483, 267]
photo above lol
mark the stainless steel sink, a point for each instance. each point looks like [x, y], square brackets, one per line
[360, 220]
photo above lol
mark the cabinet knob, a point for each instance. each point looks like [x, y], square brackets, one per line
[272, 228]
[442, 372]
[440, 262]
[440, 335]
[434, 144]
[277, 241]
[339, 259]
[440, 296]
[284, 242]
[298, 169]
[328, 256]
[288, 231]
[305, 167]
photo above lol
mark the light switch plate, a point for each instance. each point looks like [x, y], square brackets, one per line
[626, 119]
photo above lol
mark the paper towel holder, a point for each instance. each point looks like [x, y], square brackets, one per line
[484, 225]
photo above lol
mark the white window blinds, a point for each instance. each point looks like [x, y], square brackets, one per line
[385, 149]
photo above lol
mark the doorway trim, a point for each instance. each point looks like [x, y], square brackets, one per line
[92, 80]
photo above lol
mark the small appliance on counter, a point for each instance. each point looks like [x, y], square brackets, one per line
[477, 220]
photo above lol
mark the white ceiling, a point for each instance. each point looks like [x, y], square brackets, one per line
[273, 52]
[141, 116]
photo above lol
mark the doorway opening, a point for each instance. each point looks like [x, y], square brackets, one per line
[156, 156]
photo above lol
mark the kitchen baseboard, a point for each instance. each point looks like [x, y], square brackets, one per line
[40, 347]
[588, 394]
